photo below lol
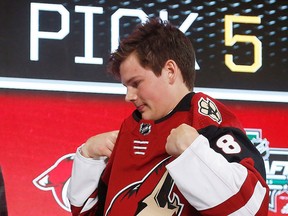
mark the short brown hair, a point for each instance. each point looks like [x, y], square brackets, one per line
[155, 42]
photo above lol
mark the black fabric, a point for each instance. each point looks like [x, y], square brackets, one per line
[102, 191]
[3, 204]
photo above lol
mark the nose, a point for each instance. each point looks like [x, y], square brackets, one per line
[130, 94]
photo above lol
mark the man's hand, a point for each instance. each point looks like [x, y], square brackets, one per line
[100, 145]
[180, 139]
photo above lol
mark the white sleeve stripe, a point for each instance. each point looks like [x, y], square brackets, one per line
[254, 204]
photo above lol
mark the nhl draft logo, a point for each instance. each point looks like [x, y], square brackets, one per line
[276, 166]
[277, 180]
[145, 128]
[208, 108]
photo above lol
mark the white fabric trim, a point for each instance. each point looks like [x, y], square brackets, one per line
[254, 204]
[85, 177]
[89, 204]
[199, 172]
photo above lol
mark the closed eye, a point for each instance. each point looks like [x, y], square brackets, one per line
[135, 83]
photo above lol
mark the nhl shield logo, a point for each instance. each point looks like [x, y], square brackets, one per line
[145, 128]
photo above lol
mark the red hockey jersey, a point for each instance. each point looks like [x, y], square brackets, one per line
[221, 173]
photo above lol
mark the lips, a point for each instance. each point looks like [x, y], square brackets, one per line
[140, 108]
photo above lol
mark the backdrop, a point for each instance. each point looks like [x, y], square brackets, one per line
[54, 92]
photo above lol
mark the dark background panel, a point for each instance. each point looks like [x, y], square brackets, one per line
[56, 57]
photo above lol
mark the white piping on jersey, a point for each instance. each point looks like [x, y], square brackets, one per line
[140, 147]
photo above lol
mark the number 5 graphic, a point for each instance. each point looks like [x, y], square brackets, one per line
[231, 39]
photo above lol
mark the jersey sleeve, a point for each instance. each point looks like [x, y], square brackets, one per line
[221, 173]
[215, 186]
[82, 189]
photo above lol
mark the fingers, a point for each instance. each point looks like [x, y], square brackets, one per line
[105, 150]
[111, 139]
[100, 145]
[180, 139]
[108, 148]
[114, 135]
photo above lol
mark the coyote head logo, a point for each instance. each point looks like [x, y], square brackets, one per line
[56, 179]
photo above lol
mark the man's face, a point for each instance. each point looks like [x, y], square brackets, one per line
[149, 93]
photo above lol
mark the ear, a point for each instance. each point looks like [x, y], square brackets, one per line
[171, 70]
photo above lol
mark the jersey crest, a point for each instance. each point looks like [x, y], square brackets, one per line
[156, 195]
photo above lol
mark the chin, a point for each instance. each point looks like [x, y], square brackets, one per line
[149, 117]
[146, 116]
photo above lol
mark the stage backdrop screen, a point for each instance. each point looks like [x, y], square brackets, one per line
[55, 92]
[238, 44]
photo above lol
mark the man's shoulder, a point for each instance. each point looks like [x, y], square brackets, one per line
[208, 111]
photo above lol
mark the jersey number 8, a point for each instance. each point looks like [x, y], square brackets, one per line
[228, 144]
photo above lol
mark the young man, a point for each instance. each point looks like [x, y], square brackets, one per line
[179, 153]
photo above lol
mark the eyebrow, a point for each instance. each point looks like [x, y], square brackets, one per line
[129, 81]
